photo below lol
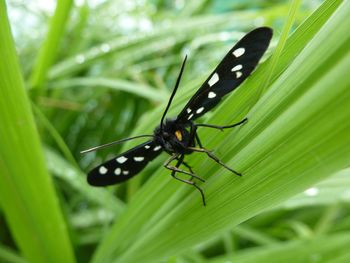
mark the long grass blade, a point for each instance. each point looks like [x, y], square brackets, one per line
[27, 194]
[50, 47]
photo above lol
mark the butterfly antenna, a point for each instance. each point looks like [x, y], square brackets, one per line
[113, 143]
[173, 93]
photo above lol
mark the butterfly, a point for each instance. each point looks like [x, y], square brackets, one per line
[178, 136]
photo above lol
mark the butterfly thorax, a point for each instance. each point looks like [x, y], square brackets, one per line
[174, 137]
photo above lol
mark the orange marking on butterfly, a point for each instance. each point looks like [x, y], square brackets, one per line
[178, 135]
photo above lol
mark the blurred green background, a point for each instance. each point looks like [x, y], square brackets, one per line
[78, 74]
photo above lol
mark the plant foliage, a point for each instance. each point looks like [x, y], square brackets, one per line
[93, 72]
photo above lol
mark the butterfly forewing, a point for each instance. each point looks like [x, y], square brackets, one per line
[236, 66]
[125, 165]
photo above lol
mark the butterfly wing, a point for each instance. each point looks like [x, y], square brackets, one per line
[236, 66]
[125, 165]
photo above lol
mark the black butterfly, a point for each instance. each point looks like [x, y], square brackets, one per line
[178, 136]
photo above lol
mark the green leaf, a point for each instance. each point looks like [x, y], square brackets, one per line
[334, 190]
[114, 84]
[323, 249]
[77, 180]
[131, 48]
[50, 47]
[7, 255]
[27, 194]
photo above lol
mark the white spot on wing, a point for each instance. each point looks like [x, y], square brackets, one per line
[190, 117]
[147, 146]
[102, 170]
[238, 74]
[157, 148]
[213, 79]
[139, 159]
[200, 110]
[238, 52]
[211, 95]
[125, 172]
[121, 159]
[188, 110]
[238, 67]
[117, 171]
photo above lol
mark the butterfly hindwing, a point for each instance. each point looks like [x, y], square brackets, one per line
[236, 66]
[125, 165]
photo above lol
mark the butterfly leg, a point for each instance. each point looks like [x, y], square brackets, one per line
[212, 156]
[190, 169]
[173, 174]
[187, 166]
[198, 141]
[176, 167]
[194, 136]
[221, 127]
